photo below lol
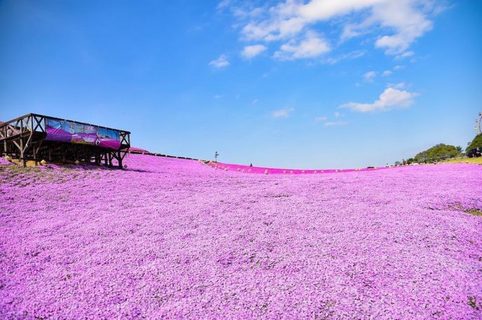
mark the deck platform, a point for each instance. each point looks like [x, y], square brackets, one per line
[38, 137]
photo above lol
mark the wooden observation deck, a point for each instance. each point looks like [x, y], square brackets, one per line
[37, 137]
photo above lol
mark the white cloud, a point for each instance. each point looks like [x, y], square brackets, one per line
[223, 4]
[252, 51]
[221, 62]
[406, 19]
[335, 123]
[317, 10]
[332, 123]
[282, 113]
[387, 73]
[321, 119]
[400, 85]
[311, 46]
[369, 76]
[396, 23]
[390, 98]
[406, 54]
[352, 30]
[346, 56]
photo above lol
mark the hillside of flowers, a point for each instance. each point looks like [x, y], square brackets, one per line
[267, 170]
[178, 239]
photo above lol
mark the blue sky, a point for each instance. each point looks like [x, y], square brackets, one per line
[311, 84]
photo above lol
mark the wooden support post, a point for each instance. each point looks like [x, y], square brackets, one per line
[35, 150]
[22, 154]
[116, 156]
[119, 159]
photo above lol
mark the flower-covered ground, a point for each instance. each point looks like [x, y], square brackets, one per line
[266, 170]
[171, 238]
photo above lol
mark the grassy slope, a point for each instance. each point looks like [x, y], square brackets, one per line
[465, 160]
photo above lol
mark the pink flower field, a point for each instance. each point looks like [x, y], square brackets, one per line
[170, 238]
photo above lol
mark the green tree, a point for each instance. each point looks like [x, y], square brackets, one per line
[476, 143]
[437, 153]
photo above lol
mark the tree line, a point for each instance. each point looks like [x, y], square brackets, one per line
[441, 152]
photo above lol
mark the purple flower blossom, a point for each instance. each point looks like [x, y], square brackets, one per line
[178, 239]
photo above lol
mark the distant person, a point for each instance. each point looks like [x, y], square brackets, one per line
[250, 164]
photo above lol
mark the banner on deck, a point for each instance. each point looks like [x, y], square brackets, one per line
[73, 132]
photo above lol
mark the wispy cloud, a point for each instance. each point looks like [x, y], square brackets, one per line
[333, 122]
[406, 54]
[220, 63]
[321, 119]
[387, 73]
[392, 97]
[369, 76]
[282, 113]
[252, 51]
[223, 4]
[346, 56]
[310, 46]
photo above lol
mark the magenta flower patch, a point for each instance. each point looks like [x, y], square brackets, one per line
[171, 238]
